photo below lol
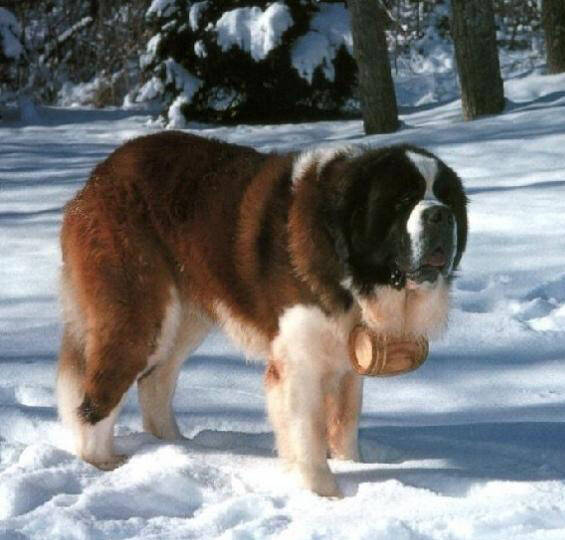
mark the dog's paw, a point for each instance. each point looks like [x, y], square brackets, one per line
[113, 462]
[320, 480]
[351, 454]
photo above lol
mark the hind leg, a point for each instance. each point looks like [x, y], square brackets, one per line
[183, 330]
[107, 343]
[93, 442]
[117, 284]
[90, 399]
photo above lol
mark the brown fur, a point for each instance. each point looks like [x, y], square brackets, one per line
[343, 409]
[174, 233]
[174, 210]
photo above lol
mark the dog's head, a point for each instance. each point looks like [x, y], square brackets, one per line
[403, 218]
[398, 219]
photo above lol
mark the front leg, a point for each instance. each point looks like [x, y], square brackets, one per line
[308, 356]
[343, 405]
[296, 409]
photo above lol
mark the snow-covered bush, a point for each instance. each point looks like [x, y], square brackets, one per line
[235, 60]
[97, 93]
[248, 61]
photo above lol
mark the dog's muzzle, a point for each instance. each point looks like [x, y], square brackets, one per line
[432, 233]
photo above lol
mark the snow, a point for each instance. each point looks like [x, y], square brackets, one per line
[161, 8]
[472, 445]
[184, 81]
[10, 31]
[59, 40]
[330, 29]
[152, 89]
[177, 119]
[252, 29]
[85, 21]
[151, 50]
[223, 99]
[200, 49]
[195, 13]
[80, 94]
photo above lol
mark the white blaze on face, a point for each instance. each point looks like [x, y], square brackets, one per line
[428, 168]
[415, 229]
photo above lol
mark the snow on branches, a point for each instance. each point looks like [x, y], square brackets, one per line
[287, 60]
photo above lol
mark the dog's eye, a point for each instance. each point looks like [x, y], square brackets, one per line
[443, 192]
[406, 201]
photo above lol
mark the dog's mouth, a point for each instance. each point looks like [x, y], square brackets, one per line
[436, 259]
[432, 265]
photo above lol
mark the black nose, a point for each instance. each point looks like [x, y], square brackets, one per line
[438, 215]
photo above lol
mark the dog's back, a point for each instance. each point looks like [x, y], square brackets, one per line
[287, 253]
[129, 289]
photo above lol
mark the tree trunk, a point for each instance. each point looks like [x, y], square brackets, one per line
[476, 53]
[553, 16]
[378, 101]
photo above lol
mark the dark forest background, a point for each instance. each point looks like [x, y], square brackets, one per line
[165, 55]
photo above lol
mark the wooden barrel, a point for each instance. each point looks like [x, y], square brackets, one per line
[384, 356]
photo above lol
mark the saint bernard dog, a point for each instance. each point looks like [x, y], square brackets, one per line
[174, 234]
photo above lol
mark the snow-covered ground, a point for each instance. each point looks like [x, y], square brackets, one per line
[472, 445]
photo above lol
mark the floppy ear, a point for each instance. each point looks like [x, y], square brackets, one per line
[357, 228]
[334, 185]
[345, 219]
[459, 206]
[347, 233]
[333, 223]
[462, 226]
